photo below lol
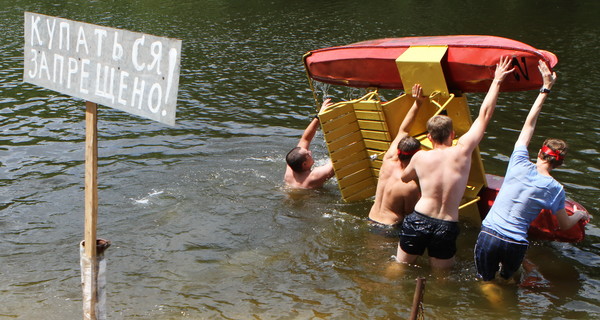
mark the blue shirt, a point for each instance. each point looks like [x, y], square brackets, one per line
[524, 193]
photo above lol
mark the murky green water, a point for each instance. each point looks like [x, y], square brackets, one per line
[200, 224]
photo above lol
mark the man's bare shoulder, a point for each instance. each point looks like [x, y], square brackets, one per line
[442, 154]
[295, 180]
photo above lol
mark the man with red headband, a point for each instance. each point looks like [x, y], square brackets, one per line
[527, 189]
[394, 198]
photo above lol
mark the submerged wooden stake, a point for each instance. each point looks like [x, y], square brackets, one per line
[418, 299]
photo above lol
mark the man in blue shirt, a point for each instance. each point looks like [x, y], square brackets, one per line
[527, 189]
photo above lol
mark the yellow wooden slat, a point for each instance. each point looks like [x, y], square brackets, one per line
[356, 187]
[335, 111]
[369, 115]
[377, 146]
[376, 165]
[345, 141]
[376, 135]
[352, 168]
[339, 132]
[364, 194]
[368, 105]
[340, 154]
[338, 122]
[342, 162]
[354, 178]
[359, 185]
[372, 125]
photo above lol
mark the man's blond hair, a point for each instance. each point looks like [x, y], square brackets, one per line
[439, 128]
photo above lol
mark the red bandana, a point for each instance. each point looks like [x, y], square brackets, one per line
[553, 153]
[407, 153]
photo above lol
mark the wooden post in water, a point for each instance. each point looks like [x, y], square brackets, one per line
[418, 299]
[91, 200]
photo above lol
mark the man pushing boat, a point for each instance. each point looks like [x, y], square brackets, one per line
[442, 175]
[527, 189]
[299, 172]
[394, 198]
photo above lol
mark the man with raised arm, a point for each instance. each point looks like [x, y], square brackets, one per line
[442, 175]
[299, 172]
[395, 198]
[527, 189]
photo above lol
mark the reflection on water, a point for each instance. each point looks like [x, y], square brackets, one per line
[200, 222]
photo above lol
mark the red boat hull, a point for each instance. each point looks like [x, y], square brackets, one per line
[468, 65]
[545, 226]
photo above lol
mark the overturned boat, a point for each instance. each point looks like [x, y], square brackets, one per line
[359, 132]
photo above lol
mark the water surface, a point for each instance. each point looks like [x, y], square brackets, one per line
[200, 222]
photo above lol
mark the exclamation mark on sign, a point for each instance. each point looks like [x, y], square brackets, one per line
[172, 60]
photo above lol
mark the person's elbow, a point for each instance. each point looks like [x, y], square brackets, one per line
[330, 171]
[407, 177]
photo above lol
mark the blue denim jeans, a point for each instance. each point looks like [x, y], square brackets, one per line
[493, 249]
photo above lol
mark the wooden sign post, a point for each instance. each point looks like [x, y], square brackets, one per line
[91, 200]
[130, 71]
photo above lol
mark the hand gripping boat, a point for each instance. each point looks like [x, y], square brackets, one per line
[359, 132]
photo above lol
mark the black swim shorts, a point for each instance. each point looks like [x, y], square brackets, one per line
[420, 232]
[386, 230]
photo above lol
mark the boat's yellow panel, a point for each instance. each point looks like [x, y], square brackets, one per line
[421, 64]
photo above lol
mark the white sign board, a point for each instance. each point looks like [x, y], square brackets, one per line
[125, 70]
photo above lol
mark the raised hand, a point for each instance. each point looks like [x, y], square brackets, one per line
[417, 92]
[548, 76]
[584, 214]
[502, 69]
[326, 103]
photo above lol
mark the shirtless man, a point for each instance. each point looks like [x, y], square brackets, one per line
[442, 174]
[299, 172]
[394, 198]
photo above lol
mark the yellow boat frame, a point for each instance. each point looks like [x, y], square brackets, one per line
[359, 132]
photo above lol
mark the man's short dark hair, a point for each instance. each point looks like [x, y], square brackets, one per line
[439, 128]
[295, 159]
[407, 147]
